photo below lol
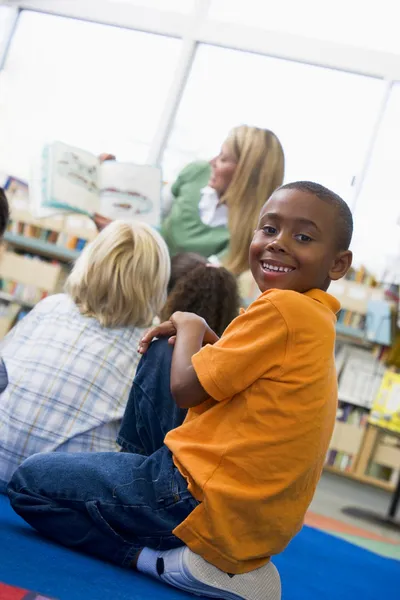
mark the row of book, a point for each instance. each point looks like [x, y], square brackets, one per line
[62, 239]
[361, 275]
[346, 413]
[24, 293]
[352, 319]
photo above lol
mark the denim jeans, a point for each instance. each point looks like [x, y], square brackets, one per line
[151, 410]
[111, 504]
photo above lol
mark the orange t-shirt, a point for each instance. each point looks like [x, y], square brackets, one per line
[254, 451]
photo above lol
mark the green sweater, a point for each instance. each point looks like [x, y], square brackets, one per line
[183, 229]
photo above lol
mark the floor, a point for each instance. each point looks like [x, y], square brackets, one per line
[333, 494]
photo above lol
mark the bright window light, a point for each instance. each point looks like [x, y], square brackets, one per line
[363, 23]
[98, 87]
[324, 118]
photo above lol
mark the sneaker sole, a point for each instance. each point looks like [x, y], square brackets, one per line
[262, 584]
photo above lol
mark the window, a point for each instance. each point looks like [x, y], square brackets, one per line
[179, 6]
[324, 118]
[363, 23]
[95, 86]
[6, 16]
[376, 217]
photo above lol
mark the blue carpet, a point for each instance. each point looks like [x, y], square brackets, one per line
[315, 566]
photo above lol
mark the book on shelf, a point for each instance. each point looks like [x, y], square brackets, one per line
[66, 179]
[342, 459]
[385, 411]
[360, 376]
[22, 282]
[61, 239]
[17, 191]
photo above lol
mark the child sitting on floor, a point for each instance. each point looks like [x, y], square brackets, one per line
[234, 481]
[68, 366]
[209, 292]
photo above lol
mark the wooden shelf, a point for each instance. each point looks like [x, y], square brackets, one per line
[40, 247]
[384, 485]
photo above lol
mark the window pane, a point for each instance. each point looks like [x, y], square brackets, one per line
[370, 24]
[179, 6]
[6, 14]
[324, 118]
[376, 216]
[103, 92]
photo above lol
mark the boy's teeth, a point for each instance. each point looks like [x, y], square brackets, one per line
[269, 267]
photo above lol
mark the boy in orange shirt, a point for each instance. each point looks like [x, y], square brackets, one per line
[234, 481]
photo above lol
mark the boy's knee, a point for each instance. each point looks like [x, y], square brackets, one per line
[27, 476]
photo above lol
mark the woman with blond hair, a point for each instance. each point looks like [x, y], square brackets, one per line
[215, 206]
[68, 366]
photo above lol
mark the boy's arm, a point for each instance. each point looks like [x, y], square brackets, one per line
[187, 332]
[185, 385]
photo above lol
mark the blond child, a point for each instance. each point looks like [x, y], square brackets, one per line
[68, 366]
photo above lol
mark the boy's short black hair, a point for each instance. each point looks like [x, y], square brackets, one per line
[344, 229]
[4, 212]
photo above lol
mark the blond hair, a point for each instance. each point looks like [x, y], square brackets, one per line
[121, 277]
[259, 171]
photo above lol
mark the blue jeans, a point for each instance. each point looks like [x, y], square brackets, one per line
[151, 410]
[111, 504]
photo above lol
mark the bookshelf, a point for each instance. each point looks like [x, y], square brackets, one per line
[38, 255]
[62, 237]
[43, 248]
[365, 331]
[24, 281]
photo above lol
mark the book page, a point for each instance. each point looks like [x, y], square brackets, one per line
[129, 191]
[38, 187]
[72, 180]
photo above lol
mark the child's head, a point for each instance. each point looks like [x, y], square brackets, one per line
[4, 212]
[121, 277]
[302, 239]
[208, 291]
[183, 263]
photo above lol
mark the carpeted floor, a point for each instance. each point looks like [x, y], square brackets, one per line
[315, 566]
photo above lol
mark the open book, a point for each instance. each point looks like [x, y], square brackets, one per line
[67, 179]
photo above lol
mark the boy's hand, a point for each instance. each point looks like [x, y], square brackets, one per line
[187, 319]
[166, 329]
[169, 329]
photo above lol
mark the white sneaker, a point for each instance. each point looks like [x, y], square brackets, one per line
[187, 571]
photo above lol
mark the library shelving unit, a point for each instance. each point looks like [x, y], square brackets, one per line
[58, 238]
[37, 258]
[364, 336]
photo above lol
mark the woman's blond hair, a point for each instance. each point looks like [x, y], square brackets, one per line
[259, 171]
[121, 277]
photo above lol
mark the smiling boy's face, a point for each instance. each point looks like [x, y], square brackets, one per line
[295, 244]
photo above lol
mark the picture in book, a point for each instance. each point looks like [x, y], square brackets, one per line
[66, 179]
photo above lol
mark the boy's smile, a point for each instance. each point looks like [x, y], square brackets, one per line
[295, 246]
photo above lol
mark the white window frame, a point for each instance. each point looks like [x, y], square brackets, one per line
[11, 25]
[197, 28]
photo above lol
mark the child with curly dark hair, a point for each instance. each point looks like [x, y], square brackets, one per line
[210, 292]
[182, 264]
